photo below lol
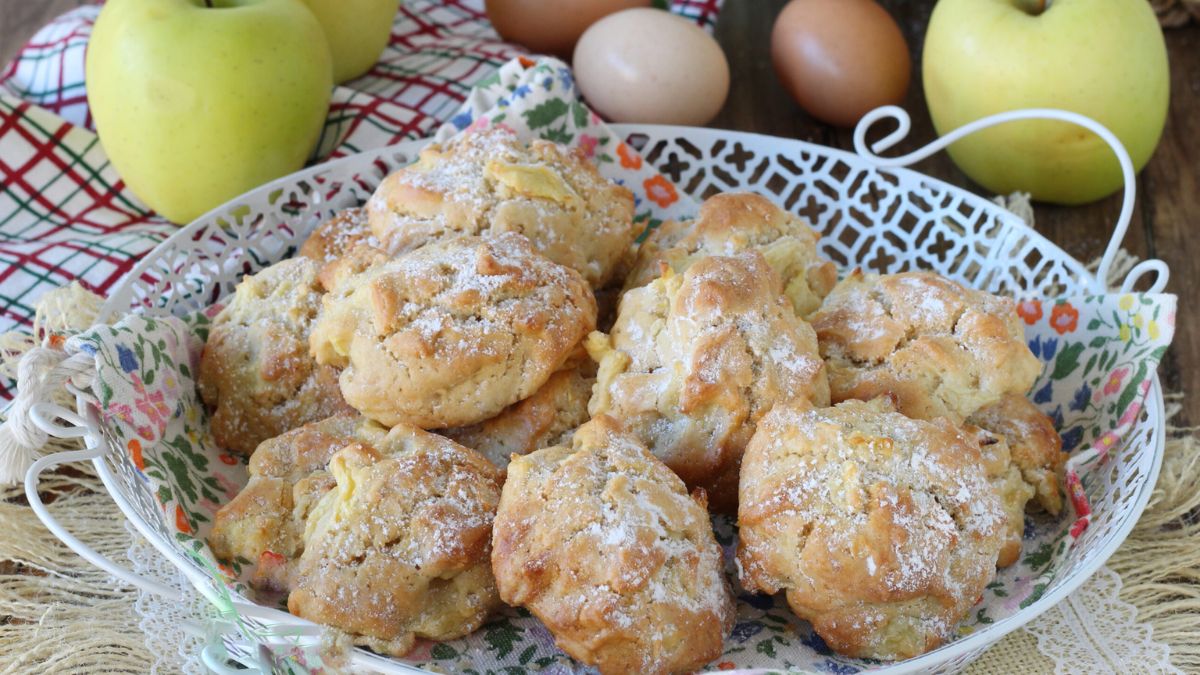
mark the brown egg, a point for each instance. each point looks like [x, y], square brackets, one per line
[551, 26]
[840, 58]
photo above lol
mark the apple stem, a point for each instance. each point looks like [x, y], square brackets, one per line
[208, 4]
[1034, 7]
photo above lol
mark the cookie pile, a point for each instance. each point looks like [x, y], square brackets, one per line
[436, 427]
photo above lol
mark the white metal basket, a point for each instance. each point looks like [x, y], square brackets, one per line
[871, 213]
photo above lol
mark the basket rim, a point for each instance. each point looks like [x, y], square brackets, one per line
[120, 299]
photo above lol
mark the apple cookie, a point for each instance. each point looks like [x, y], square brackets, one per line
[940, 349]
[343, 240]
[601, 541]
[882, 529]
[546, 418]
[256, 375]
[735, 222]
[1035, 445]
[452, 333]
[401, 547]
[264, 523]
[488, 181]
[1012, 489]
[695, 359]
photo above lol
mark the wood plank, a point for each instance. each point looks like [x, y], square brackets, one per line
[20, 19]
[1170, 205]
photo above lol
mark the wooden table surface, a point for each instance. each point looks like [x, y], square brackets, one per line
[1168, 189]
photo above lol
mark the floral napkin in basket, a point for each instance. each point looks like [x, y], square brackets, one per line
[1100, 353]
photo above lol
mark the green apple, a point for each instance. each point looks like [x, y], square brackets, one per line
[357, 31]
[1101, 58]
[197, 102]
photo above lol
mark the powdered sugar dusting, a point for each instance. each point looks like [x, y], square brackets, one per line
[632, 554]
[400, 539]
[898, 505]
[942, 349]
[336, 236]
[489, 181]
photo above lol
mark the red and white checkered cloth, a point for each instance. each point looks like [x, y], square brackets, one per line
[66, 215]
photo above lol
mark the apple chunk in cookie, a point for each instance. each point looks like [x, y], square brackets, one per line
[734, 222]
[264, 523]
[452, 333]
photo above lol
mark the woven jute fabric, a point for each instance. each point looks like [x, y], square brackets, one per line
[1016, 653]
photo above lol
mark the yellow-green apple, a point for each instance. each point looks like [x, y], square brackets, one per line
[1101, 58]
[196, 102]
[357, 31]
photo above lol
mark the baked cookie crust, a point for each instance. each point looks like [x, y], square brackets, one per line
[883, 530]
[601, 541]
[452, 333]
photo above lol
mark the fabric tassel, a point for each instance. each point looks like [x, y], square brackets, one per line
[41, 373]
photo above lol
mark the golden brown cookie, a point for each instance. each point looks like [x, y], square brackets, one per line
[256, 375]
[1013, 491]
[488, 181]
[287, 477]
[546, 418]
[734, 222]
[695, 359]
[452, 333]
[401, 547]
[602, 542]
[882, 529]
[1035, 445]
[942, 350]
[344, 234]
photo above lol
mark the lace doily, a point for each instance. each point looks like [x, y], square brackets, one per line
[1094, 631]
[166, 623]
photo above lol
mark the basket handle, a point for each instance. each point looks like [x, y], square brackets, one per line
[31, 420]
[904, 125]
[43, 415]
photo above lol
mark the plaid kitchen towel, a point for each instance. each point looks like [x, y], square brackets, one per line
[64, 212]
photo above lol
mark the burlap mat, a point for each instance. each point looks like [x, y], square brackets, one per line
[58, 614]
